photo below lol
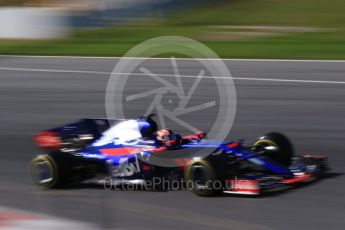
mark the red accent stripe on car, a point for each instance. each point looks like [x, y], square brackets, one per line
[158, 149]
[146, 168]
[246, 190]
[192, 136]
[120, 151]
[296, 179]
[232, 145]
[48, 140]
[242, 185]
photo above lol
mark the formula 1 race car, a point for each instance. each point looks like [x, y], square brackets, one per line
[121, 152]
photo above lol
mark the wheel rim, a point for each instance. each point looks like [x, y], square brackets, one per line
[263, 143]
[43, 171]
[199, 177]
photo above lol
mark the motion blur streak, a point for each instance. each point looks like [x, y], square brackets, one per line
[311, 114]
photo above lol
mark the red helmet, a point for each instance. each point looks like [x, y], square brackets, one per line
[167, 137]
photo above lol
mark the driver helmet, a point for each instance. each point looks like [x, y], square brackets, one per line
[167, 137]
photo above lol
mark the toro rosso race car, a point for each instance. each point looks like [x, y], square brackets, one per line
[124, 152]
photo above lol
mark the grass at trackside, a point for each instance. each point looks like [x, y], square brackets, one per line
[11, 3]
[203, 25]
[320, 13]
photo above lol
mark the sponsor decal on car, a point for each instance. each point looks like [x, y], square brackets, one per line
[126, 167]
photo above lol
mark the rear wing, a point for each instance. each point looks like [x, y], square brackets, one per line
[77, 134]
[88, 126]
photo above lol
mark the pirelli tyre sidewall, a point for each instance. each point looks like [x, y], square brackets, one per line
[201, 178]
[284, 149]
[53, 170]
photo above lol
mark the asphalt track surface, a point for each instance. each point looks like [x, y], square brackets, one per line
[38, 93]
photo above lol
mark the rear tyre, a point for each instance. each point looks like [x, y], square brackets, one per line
[51, 171]
[276, 146]
[201, 179]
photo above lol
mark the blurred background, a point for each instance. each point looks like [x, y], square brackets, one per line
[312, 29]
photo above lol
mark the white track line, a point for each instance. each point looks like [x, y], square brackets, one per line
[55, 70]
[184, 59]
[168, 75]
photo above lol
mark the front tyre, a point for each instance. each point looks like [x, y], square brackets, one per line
[276, 146]
[201, 179]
